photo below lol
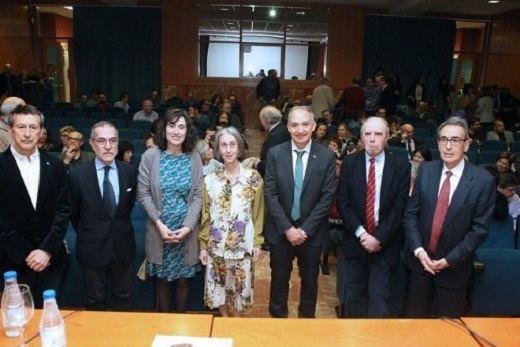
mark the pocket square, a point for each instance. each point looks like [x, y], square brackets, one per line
[129, 190]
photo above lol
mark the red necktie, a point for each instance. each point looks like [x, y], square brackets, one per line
[440, 212]
[371, 197]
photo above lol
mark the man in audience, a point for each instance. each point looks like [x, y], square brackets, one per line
[372, 206]
[422, 112]
[298, 207]
[446, 219]
[352, 100]
[387, 95]
[475, 130]
[235, 119]
[124, 98]
[328, 118]
[499, 132]
[82, 102]
[9, 84]
[102, 103]
[147, 113]
[322, 97]
[406, 140]
[372, 96]
[155, 98]
[102, 193]
[268, 89]
[34, 207]
[381, 112]
[8, 105]
[75, 155]
[507, 183]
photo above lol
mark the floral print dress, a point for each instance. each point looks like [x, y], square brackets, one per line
[232, 222]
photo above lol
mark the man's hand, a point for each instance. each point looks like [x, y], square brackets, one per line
[438, 265]
[369, 243]
[296, 236]
[426, 262]
[69, 155]
[38, 260]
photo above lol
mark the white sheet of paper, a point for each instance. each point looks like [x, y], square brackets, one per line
[189, 341]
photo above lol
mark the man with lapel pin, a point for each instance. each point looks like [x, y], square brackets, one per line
[446, 219]
[299, 191]
[372, 193]
[102, 195]
[34, 207]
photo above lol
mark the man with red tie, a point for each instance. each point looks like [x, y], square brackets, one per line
[446, 219]
[372, 194]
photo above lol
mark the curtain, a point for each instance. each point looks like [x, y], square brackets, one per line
[203, 52]
[313, 57]
[118, 49]
[409, 47]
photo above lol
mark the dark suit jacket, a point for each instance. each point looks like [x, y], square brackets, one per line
[466, 224]
[396, 141]
[316, 198]
[100, 237]
[276, 136]
[24, 229]
[386, 100]
[352, 195]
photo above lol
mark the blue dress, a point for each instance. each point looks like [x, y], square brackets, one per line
[175, 180]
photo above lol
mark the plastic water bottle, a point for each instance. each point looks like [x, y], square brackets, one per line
[52, 326]
[11, 305]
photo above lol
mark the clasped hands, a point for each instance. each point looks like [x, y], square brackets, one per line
[296, 236]
[369, 243]
[38, 260]
[172, 236]
[432, 266]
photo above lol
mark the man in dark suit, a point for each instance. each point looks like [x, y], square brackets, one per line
[299, 191]
[372, 195]
[407, 140]
[271, 120]
[102, 197]
[386, 95]
[34, 207]
[446, 219]
[8, 82]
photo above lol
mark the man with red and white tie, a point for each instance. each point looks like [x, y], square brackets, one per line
[446, 219]
[373, 191]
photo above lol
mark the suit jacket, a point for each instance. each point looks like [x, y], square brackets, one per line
[465, 226]
[492, 135]
[23, 228]
[316, 198]
[322, 99]
[277, 135]
[100, 237]
[386, 100]
[352, 195]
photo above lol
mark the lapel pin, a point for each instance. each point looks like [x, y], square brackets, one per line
[48, 163]
[314, 156]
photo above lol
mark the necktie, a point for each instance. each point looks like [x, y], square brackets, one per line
[410, 150]
[298, 183]
[371, 197]
[440, 212]
[109, 198]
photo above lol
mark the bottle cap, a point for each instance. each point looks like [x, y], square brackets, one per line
[9, 275]
[49, 294]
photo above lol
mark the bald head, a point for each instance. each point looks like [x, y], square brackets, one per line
[10, 104]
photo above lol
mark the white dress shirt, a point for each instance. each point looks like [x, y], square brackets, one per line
[305, 157]
[30, 171]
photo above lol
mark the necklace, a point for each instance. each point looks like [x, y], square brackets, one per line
[232, 177]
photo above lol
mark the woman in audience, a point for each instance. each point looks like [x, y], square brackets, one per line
[506, 162]
[45, 142]
[149, 142]
[348, 141]
[125, 152]
[320, 134]
[335, 146]
[231, 228]
[205, 150]
[169, 188]
[419, 156]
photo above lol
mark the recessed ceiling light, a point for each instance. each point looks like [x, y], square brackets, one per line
[230, 23]
[493, 1]
[272, 13]
[224, 9]
[300, 13]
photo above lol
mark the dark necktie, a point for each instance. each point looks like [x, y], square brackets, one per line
[371, 197]
[410, 151]
[109, 198]
[443, 203]
[298, 183]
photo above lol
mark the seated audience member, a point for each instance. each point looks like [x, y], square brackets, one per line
[501, 210]
[190, 100]
[499, 132]
[82, 101]
[155, 98]
[64, 137]
[147, 113]
[234, 120]
[419, 156]
[210, 136]
[422, 112]
[335, 146]
[475, 131]
[394, 125]
[149, 142]
[360, 146]
[221, 120]
[507, 184]
[45, 142]
[357, 122]
[124, 98]
[209, 162]
[75, 155]
[92, 102]
[125, 152]
[407, 140]
[381, 112]
[102, 102]
[320, 134]
[205, 112]
[236, 108]
[328, 118]
[348, 141]
[506, 162]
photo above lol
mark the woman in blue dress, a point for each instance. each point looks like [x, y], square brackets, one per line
[169, 188]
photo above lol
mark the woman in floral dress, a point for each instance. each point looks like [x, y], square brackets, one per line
[169, 188]
[231, 228]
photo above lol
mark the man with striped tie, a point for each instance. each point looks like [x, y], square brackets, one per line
[372, 194]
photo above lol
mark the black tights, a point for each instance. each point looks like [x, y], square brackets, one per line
[163, 289]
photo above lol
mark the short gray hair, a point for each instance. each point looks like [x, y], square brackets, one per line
[102, 124]
[303, 108]
[233, 132]
[375, 119]
[456, 121]
[271, 114]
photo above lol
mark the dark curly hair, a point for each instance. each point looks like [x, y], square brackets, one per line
[172, 116]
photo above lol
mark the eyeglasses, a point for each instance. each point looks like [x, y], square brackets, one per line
[75, 139]
[101, 141]
[455, 141]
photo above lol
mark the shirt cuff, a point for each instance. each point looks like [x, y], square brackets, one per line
[360, 231]
[417, 250]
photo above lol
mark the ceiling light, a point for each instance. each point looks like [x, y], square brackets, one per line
[300, 13]
[493, 1]
[272, 13]
[68, 7]
[224, 9]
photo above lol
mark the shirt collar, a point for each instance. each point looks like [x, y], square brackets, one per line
[100, 165]
[307, 148]
[456, 171]
[378, 158]
[19, 156]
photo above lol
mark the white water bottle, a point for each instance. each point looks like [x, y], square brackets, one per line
[11, 306]
[52, 326]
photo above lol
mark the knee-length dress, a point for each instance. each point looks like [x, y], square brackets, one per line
[175, 180]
